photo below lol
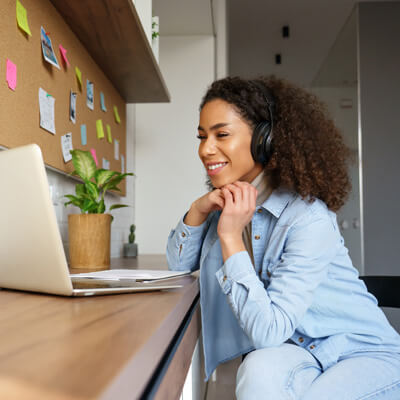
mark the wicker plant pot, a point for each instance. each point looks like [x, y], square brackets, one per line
[89, 240]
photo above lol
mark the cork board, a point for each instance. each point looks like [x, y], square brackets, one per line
[19, 109]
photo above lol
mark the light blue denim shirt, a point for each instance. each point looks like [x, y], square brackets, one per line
[302, 287]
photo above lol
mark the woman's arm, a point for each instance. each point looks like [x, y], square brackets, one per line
[270, 316]
[185, 241]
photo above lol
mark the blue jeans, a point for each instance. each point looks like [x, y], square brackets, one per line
[289, 372]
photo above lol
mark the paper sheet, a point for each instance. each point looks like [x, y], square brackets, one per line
[11, 75]
[90, 94]
[83, 135]
[22, 18]
[122, 164]
[109, 137]
[72, 107]
[116, 149]
[102, 103]
[131, 274]
[78, 74]
[64, 55]
[117, 118]
[99, 129]
[94, 155]
[46, 106]
[66, 146]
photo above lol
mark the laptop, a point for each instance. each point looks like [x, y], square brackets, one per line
[32, 255]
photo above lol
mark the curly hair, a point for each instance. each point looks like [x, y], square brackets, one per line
[308, 152]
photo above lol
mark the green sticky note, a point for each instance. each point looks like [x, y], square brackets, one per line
[99, 129]
[22, 18]
[78, 75]
[117, 118]
[109, 137]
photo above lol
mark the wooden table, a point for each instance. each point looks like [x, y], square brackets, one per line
[125, 346]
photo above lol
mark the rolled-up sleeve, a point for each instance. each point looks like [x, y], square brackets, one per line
[270, 316]
[184, 245]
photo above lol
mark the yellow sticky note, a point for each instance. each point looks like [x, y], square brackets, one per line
[22, 18]
[117, 118]
[99, 129]
[78, 75]
[109, 137]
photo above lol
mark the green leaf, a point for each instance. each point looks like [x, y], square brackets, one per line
[80, 190]
[92, 190]
[84, 164]
[114, 182]
[114, 206]
[103, 176]
[101, 207]
[76, 201]
[89, 205]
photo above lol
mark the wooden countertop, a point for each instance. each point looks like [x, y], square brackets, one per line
[84, 348]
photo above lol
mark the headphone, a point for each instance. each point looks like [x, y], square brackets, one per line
[261, 141]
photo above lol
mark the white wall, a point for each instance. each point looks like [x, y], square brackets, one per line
[123, 217]
[169, 173]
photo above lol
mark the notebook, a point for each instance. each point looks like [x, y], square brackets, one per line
[32, 255]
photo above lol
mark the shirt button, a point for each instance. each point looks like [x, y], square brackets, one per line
[312, 347]
[257, 237]
[183, 234]
[259, 210]
[269, 274]
[225, 278]
[301, 340]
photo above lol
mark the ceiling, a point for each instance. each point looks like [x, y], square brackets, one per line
[254, 34]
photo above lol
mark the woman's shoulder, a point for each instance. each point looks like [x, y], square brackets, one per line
[303, 209]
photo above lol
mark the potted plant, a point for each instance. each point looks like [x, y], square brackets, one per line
[90, 232]
[131, 248]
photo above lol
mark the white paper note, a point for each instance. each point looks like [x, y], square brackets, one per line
[66, 145]
[116, 149]
[46, 107]
[122, 164]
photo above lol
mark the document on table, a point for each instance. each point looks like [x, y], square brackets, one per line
[138, 275]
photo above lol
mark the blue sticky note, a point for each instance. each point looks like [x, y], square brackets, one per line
[102, 103]
[83, 135]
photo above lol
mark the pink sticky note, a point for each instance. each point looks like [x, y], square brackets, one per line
[64, 54]
[11, 75]
[93, 151]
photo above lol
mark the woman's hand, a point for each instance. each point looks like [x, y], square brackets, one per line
[200, 209]
[240, 204]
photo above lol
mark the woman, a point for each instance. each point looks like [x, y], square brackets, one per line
[276, 280]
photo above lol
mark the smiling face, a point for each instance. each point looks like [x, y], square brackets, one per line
[224, 149]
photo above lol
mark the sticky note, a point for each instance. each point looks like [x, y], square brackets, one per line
[93, 152]
[102, 103]
[116, 149]
[83, 135]
[66, 146]
[117, 118]
[99, 129]
[64, 55]
[11, 75]
[109, 137]
[46, 111]
[78, 74]
[22, 18]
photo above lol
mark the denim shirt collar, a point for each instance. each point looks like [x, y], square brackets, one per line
[277, 201]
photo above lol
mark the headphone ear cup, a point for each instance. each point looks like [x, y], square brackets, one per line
[261, 142]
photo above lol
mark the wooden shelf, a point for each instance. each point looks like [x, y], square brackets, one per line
[112, 33]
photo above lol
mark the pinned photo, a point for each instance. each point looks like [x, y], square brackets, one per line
[89, 94]
[47, 48]
[72, 107]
